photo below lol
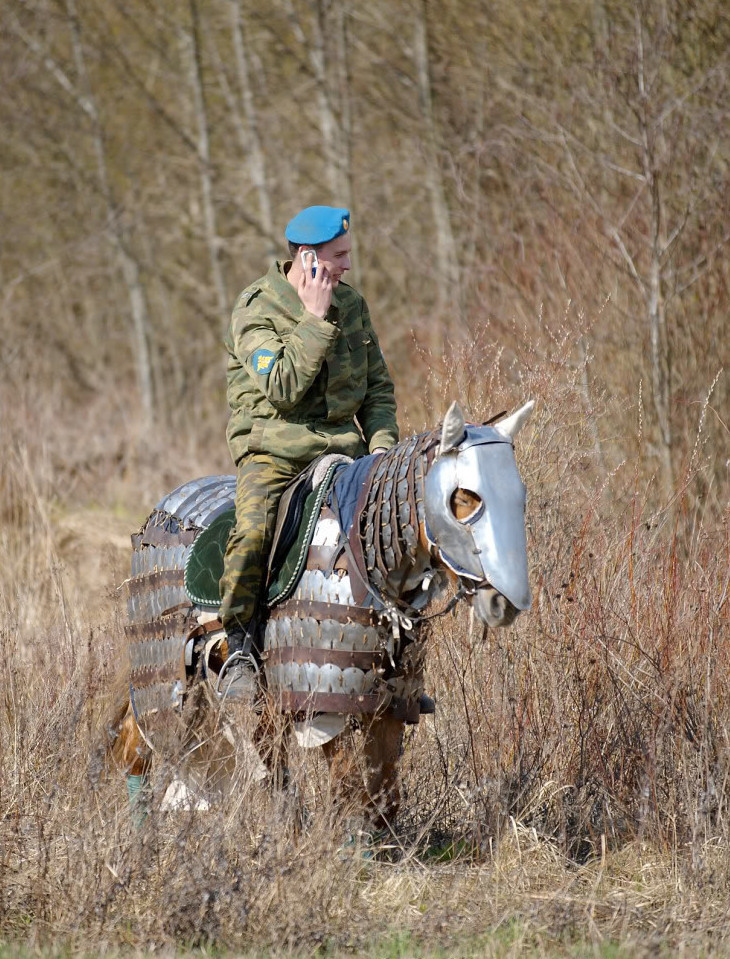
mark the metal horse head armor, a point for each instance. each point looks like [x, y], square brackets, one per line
[487, 546]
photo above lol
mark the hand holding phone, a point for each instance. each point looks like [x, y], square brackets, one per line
[315, 288]
[314, 262]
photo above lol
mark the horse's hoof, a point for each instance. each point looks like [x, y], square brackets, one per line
[426, 705]
[366, 844]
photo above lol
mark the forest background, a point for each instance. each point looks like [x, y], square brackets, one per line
[540, 196]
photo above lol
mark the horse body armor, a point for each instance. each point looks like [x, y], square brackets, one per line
[324, 653]
[340, 636]
[160, 614]
[321, 652]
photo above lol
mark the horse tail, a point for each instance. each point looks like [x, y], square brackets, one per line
[108, 737]
[119, 705]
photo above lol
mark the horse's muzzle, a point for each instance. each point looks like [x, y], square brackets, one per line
[493, 608]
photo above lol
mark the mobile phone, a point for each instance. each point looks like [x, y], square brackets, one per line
[315, 262]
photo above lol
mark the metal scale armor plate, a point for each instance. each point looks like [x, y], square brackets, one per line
[324, 653]
[334, 663]
[159, 611]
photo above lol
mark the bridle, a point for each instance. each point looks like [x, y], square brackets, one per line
[390, 511]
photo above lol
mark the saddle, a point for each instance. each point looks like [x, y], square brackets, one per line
[318, 475]
[297, 514]
[173, 597]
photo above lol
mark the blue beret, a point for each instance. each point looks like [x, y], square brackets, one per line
[317, 224]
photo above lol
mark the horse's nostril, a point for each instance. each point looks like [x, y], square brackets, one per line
[493, 608]
[499, 605]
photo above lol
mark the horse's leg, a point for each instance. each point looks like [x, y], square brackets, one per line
[272, 739]
[368, 779]
[364, 781]
[135, 757]
[346, 772]
[383, 742]
[347, 784]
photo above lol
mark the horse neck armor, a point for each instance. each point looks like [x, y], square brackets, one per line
[394, 509]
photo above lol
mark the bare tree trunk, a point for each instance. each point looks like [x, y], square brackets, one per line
[335, 153]
[600, 25]
[250, 139]
[130, 268]
[447, 267]
[334, 120]
[213, 240]
[331, 147]
[660, 353]
[344, 85]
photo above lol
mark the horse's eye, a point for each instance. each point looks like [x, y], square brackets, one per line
[465, 504]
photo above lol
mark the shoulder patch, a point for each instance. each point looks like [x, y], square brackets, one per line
[262, 361]
[251, 296]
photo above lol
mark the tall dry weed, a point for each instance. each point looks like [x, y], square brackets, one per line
[575, 777]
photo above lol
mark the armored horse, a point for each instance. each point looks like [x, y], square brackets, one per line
[364, 555]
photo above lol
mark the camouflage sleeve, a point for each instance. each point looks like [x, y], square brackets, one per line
[377, 413]
[283, 369]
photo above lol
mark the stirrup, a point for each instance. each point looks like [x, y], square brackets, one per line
[247, 660]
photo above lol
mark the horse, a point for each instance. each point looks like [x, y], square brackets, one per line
[372, 547]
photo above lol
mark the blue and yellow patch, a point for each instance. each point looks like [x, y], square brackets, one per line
[262, 361]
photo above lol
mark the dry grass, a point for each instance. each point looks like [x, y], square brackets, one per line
[571, 792]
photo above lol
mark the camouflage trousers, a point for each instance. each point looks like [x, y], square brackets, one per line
[261, 481]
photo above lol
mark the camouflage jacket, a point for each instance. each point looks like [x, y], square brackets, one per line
[299, 385]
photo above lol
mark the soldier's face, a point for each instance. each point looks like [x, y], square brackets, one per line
[335, 256]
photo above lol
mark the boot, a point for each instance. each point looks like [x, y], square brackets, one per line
[238, 678]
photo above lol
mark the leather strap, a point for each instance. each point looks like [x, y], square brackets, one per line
[203, 629]
[351, 703]
[304, 609]
[153, 535]
[359, 591]
[342, 658]
[156, 628]
[162, 577]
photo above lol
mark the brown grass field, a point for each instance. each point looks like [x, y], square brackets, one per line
[569, 798]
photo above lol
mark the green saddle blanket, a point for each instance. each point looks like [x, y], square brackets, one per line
[204, 565]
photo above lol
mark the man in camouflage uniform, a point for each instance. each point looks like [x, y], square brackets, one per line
[305, 377]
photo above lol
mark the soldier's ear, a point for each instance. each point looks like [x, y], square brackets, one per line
[453, 430]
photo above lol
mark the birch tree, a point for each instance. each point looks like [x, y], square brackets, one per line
[446, 266]
[250, 136]
[79, 89]
[213, 241]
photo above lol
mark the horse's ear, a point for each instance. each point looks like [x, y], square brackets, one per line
[453, 430]
[514, 423]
